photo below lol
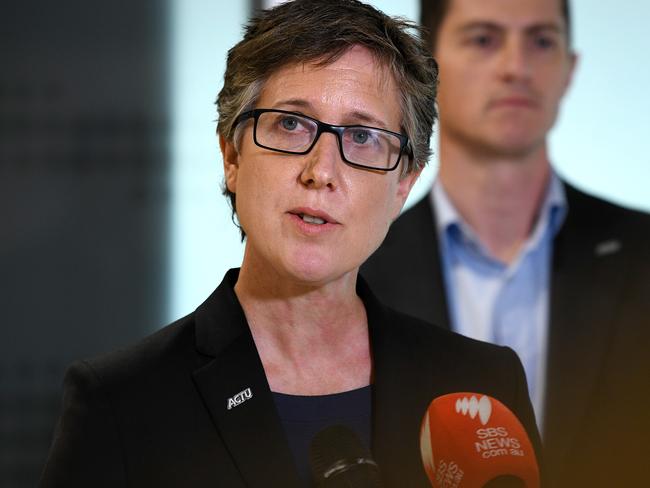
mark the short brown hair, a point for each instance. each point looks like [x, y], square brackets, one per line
[321, 31]
[432, 13]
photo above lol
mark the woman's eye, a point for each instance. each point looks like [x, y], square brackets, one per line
[289, 123]
[360, 136]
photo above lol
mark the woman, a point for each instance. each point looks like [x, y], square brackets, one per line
[324, 124]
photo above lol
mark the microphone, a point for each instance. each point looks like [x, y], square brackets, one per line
[338, 459]
[473, 440]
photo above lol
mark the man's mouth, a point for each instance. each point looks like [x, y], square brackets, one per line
[515, 101]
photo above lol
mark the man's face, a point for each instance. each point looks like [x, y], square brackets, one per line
[504, 67]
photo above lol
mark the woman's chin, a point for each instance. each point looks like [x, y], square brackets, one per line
[317, 270]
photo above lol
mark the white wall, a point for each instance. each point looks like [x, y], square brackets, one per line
[598, 143]
[203, 241]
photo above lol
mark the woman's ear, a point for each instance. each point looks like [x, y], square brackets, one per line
[230, 158]
[404, 186]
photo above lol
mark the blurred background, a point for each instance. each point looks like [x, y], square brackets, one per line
[112, 221]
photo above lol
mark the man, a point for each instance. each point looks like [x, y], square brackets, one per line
[504, 251]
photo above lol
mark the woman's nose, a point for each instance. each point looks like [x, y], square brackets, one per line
[322, 163]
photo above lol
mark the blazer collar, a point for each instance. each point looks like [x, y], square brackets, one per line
[252, 431]
[425, 276]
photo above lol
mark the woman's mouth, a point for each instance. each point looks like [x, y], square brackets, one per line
[311, 219]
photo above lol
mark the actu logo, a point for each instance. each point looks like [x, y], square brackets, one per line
[240, 398]
[482, 407]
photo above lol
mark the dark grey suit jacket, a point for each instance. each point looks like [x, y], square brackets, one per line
[155, 415]
[596, 427]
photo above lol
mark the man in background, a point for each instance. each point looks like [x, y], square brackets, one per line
[504, 251]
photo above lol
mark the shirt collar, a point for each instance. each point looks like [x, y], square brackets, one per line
[445, 213]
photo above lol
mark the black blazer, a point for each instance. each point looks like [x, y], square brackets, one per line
[155, 415]
[599, 337]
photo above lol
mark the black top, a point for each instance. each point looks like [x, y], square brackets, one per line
[302, 417]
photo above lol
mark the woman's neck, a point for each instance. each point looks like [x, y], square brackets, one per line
[311, 339]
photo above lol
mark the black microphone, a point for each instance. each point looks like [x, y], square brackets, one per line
[339, 460]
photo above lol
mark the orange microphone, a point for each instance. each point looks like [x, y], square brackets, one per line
[470, 440]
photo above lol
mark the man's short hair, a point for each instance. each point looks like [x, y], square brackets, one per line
[320, 32]
[432, 13]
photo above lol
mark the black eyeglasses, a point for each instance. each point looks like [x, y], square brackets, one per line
[294, 133]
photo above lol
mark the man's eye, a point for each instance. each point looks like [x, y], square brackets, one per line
[482, 40]
[544, 42]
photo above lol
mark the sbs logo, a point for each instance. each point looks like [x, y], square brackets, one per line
[482, 407]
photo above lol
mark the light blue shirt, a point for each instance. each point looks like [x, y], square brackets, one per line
[505, 304]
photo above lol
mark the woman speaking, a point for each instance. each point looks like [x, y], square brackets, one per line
[324, 123]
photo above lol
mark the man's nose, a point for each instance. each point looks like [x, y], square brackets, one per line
[515, 62]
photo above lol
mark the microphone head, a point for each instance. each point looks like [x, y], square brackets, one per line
[339, 459]
[473, 440]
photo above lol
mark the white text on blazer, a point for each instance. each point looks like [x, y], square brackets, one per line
[240, 398]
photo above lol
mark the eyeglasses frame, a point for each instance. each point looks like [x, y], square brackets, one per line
[322, 127]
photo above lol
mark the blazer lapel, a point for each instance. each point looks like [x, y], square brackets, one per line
[236, 393]
[406, 272]
[400, 398]
[586, 279]
[439, 303]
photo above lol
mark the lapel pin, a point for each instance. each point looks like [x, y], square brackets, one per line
[239, 398]
[610, 246]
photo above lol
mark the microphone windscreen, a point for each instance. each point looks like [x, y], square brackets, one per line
[473, 440]
[339, 459]
[506, 481]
